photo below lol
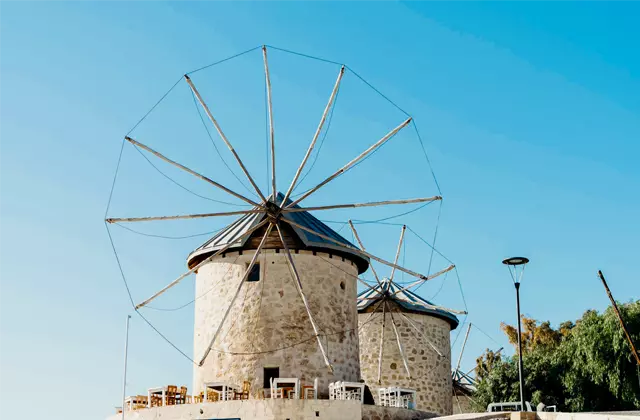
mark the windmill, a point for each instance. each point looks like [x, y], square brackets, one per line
[400, 328]
[279, 228]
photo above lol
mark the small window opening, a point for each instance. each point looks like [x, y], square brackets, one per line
[342, 285]
[254, 274]
[270, 373]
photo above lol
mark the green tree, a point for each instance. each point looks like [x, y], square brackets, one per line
[586, 366]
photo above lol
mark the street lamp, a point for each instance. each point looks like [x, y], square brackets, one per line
[516, 269]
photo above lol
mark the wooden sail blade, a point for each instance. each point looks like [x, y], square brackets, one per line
[366, 254]
[315, 136]
[296, 276]
[393, 270]
[180, 217]
[404, 357]
[235, 296]
[384, 315]
[349, 165]
[197, 175]
[355, 233]
[425, 278]
[356, 205]
[223, 137]
[203, 262]
[270, 113]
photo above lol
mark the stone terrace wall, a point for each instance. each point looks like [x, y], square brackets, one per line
[269, 314]
[431, 374]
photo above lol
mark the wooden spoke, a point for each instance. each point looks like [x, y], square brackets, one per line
[184, 168]
[404, 357]
[235, 296]
[355, 233]
[425, 278]
[464, 343]
[315, 136]
[270, 111]
[384, 315]
[393, 270]
[179, 217]
[223, 137]
[366, 254]
[353, 162]
[419, 331]
[203, 262]
[296, 276]
[372, 204]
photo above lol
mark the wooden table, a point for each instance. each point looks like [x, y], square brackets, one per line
[222, 388]
[348, 388]
[135, 401]
[158, 390]
[401, 395]
[281, 382]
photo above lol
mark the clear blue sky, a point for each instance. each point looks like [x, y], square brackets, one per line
[530, 112]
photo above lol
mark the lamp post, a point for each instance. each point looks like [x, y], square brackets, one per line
[515, 265]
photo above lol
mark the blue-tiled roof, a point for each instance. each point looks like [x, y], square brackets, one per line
[232, 234]
[404, 298]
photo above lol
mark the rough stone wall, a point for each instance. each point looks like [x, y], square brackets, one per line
[269, 314]
[430, 373]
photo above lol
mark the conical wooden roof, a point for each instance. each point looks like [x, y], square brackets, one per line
[296, 238]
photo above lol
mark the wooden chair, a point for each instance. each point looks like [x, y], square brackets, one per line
[198, 398]
[139, 402]
[181, 397]
[244, 394]
[212, 396]
[156, 400]
[172, 390]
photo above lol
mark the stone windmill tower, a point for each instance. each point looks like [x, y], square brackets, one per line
[268, 313]
[405, 342]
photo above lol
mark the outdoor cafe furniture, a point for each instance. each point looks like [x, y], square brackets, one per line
[397, 397]
[224, 390]
[310, 392]
[244, 393]
[342, 390]
[135, 402]
[157, 396]
[285, 387]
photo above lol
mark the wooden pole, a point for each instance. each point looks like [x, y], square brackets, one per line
[404, 358]
[384, 314]
[419, 331]
[224, 138]
[373, 270]
[298, 283]
[235, 296]
[315, 136]
[393, 270]
[184, 168]
[203, 262]
[270, 112]
[425, 278]
[366, 254]
[372, 204]
[464, 343]
[124, 375]
[180, 217]
[353, 162]
[622, 324]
